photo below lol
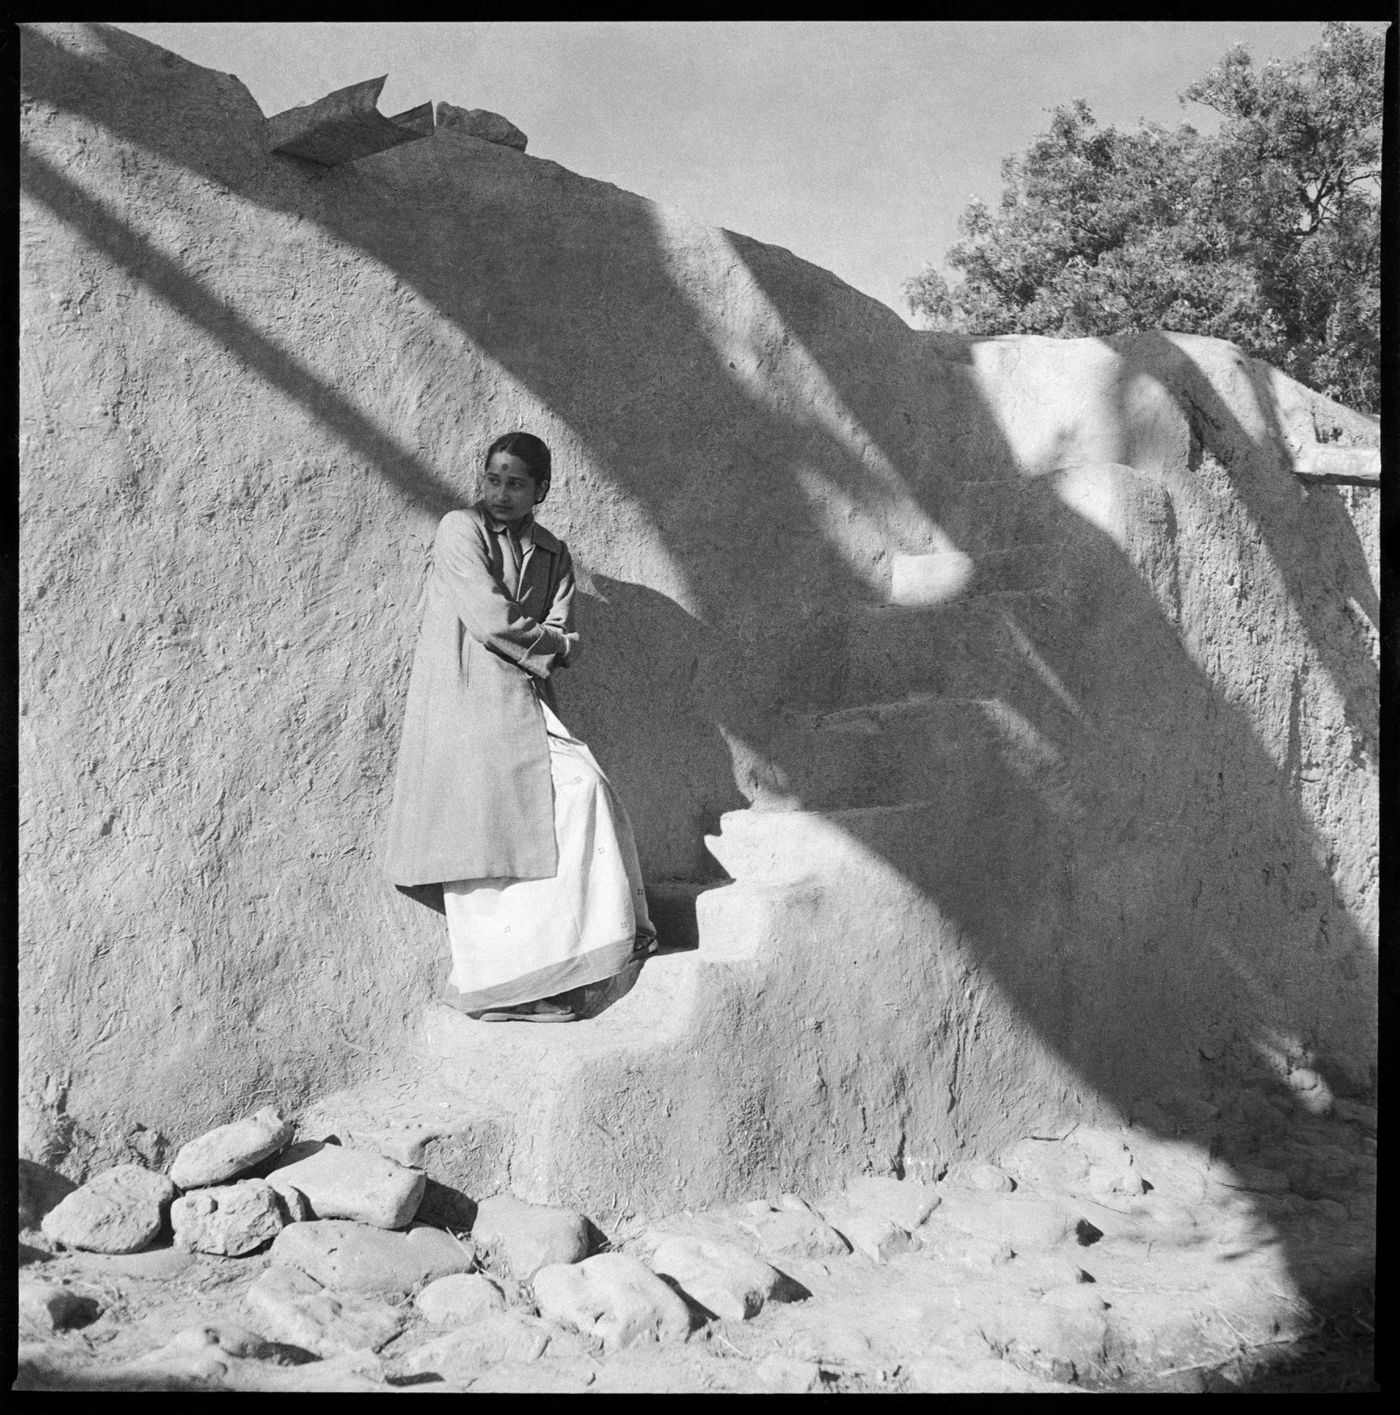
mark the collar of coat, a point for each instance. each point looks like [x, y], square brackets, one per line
[543, 539]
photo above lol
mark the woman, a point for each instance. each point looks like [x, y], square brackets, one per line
[501, 818]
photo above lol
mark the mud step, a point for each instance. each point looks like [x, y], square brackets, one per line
[672, 904]
[982, 517]
[787, 846]
[943, 577]
[887, 754]
[1015, 786]
[641, 1008]
[977, 647]
[482, 1106]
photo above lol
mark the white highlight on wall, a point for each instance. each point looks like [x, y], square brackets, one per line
[751, 340]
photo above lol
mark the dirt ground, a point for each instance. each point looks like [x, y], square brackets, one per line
[1245, 1288]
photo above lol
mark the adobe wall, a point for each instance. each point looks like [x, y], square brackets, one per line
[249, 389]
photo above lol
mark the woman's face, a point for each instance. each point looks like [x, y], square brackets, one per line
[510, 492]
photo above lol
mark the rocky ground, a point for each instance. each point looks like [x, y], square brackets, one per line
[1157, 1257]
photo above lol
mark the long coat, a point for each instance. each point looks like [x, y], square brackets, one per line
[473, 796]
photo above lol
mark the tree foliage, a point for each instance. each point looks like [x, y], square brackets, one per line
[1266, 233]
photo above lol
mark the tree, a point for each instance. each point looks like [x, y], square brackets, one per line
[1266, 233]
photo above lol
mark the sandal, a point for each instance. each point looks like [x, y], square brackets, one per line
[544, 1009]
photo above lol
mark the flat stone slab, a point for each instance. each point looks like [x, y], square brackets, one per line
[904, 1202]
[292, 1307]
[522, 1238]
[460, 1297]
[987, 1178]
[1020, 1220]
[354, 1184]
[229, 1219]
[357, 1257]
[709, 1226]
[724, 1278]
[230, 1150]
[121, 1210]
[464, 1354]
[872, 1236]
[1091, 1162]
[612, 1297]
[786, 1233]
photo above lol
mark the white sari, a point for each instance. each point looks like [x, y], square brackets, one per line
[516, 940]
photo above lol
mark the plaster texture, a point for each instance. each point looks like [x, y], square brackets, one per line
[1014, 694]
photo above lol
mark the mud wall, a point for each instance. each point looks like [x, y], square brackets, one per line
[251, 386]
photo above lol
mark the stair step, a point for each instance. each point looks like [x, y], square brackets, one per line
[672, 905]
[781, 847]
[944, 576]
[1014, 645]
[998, 515]
[886, 754]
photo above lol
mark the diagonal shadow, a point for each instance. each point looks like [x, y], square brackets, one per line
[114, 239]
[1081, 952]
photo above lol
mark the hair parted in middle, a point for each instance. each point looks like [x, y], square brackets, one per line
[530, 450]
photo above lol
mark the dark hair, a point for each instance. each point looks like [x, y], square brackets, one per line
[529, 449]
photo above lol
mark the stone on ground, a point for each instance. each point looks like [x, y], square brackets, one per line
[782, 1233]
[208, 1346]
[357, 1257]
[871, 1235]
[294, 1308]
[460, 1297]
[726, 1279]
[522, 1238]
[295, 1206]
[464, 1354]
[1017, 1219]
[711, 1227]
[951, 1245]
[784, 1375]
[47, 1306]
[119, 1211]
[1047, 1340]
[612, 1297]
[354, 1184]
[986, 1178]
[228, 1219]
[229, 1150]
[1090, 1161]
[795, 1202]
[905, 1202]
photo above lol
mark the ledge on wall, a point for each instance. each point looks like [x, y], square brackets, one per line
[345, 125]
[1348, 466]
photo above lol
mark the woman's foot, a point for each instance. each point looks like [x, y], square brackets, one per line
[544, 1009]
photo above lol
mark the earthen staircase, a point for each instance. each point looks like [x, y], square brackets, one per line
[626, 1112]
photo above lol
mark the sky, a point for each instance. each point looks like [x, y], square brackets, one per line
[853, 144]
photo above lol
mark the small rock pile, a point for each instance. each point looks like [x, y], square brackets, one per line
[346, 1287]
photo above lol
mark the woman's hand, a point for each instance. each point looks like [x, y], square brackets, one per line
[571, 649]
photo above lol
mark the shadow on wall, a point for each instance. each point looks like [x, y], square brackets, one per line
[1098, 892]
